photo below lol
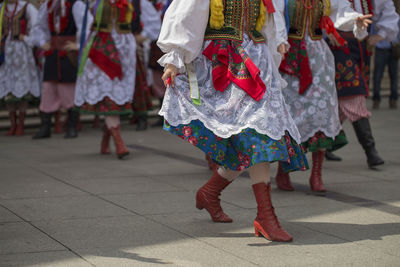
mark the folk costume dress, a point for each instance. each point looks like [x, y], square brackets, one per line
[227, 100]
[353, 68]
[309, 70]
[57, 26]
[19, 77]
[147, 23]
[107, 70]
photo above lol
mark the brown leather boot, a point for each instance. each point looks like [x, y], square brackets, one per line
[266, 223]
[13, 123]
[283, 180]
[316, 172]
[122, 150]
[105, 141]
[207, 197]
[20, 125]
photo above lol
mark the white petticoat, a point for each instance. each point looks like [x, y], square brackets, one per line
[229, 112]
[19, 74]
[94, 85]
[317, 109]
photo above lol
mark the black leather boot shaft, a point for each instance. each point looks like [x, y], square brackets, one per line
[71, 131]
[364, 135]
[45, 128]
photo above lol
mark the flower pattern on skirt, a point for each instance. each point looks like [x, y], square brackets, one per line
[321, 141]
[243, 150]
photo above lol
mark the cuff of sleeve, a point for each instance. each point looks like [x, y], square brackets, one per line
[175, 58]
[359, 33]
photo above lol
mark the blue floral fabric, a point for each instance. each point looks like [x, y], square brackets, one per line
[243, 150]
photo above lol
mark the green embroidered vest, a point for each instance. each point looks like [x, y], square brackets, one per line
[18, 25]
[237, 22]
[300, 16]
[110, 14]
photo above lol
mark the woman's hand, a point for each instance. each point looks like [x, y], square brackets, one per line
[71, 46]
[282, 49]
[364, 21]
[169, 72]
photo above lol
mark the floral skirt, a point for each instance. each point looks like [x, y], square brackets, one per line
[106, 107]
[243, 150]
[321, 141]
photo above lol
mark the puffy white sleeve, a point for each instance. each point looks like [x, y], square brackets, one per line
[151, 20]
[78, 12]
[40, 33]
[31, 13]
[280, 22]
[182, 32]
[344, 17]
[386, 19]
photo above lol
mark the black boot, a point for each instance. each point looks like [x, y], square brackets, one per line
[364, 135]
[71, 131]
[332, 157]
[45, 128]
[142, 123]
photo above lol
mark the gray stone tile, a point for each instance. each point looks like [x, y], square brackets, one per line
[123, 185]
[7, 216]
[33, 184]
[43, 259]
[70, 207]
[20, 237]
[158, 202]
[184, 252]
[109, 232]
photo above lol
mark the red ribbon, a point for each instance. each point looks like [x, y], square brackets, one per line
[327, 24]
[269, 5]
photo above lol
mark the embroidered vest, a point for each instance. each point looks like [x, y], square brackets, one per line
[240, 17]
[300, 17]
[17, 26]
[366, 5]
[111, 14]
[67, 23]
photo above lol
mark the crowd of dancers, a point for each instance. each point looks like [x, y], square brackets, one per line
[247, 82]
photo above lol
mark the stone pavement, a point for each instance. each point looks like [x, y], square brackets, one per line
[63, 204]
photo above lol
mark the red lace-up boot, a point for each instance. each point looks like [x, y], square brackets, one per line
[266, 223]
[283, 180]
[105, 141]
[316, 176]
[21, 124]
[13, 122]
[58, 126]
[207, 197]
[122, 150]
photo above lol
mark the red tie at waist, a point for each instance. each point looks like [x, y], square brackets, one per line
[231, 64]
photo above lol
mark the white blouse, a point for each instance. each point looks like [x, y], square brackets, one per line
[385, 18]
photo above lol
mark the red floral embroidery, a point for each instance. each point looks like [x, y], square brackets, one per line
[187, 131]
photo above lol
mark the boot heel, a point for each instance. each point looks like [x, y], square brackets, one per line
[199, 206]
